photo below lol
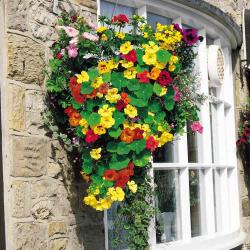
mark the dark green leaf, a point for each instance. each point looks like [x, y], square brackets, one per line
[115, 133]
[139, 55]
[93, 73]
[138, 145]
[123, 148]
[119, 164]
[106, 77]
[138, 102]
[119, 118]
[145, 92]
[86, 89]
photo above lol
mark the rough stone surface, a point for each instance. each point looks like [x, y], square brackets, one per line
[29, 236]
[42, 210]
[29, 156]
[57, 227]
[58, 244]
[44, 188]
[25, 59]
[16, 96]
[20, 199]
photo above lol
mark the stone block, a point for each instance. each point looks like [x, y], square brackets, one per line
[29, 156]
[34, 101]
[54, 170]
[34, 123]
[92, 4]
[28, 236]
[26, 59]
[42, 210]
[44, 188]
[16, 112]
[58, 244]
[57, 227]
[246, 207]
[20, 194]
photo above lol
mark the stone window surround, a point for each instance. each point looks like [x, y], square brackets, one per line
[227, 35]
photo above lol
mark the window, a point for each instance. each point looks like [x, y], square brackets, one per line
[196, 175]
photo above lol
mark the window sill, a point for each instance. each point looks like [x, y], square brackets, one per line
[215, 242]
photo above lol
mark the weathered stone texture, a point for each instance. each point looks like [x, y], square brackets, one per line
[16, 96]
[25, 59]
[28, 236]
[57, 227]
[29, 156]
[58, 244]
[42, 210]
[20, 199]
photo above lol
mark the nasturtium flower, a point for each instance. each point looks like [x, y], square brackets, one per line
[164, 78]
[97, 82]
[164, 138]
[131, 111]
[173, 60]
[143, 77]
[120, 35]
[163, 91]
[130, 73]
[131, 56]
[113, 64]
[95, 153]
[132, 186]
[90, 200]
[83, 77]
[151, 143]
[126, 48]
[104, 37]
[101, 29]
[160, 65]
[127, 135]
[126, 64]
[107, 121]
[110, 175]
[155, 72]
[149, 58]
[106, 110]
[83, 122]
[99, 130]
[75, 119]
[91, 136]
[112, 96]
[171, 68]
[84, 130]
[103, 67]
[151, 47]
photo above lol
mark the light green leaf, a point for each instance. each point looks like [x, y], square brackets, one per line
[94, 119]
[163, 56]
[119, 118]
[93, 73]
[86, 89]
[119, 164]
[157, 88]
[115, 133]
[142, 159]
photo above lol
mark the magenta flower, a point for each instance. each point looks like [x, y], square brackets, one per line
[247, 132]
[242, 140]
[177, 94]
[72, 50]
[90, 37]
[197, 127]
[190, 36]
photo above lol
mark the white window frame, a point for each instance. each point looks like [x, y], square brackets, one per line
[227, 209]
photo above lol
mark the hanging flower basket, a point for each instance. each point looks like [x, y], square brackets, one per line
[116, 97]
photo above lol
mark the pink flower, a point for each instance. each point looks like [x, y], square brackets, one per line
[197, 127]
[92, 25]
[90, 37]
[177, 94]
[72, 51]
[71, 32]
[74, 41]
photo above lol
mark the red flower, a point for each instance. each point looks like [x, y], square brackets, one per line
[151, 143]
[120, 105]
[92, 95]
[59, 55]
[121, 18]
[123, 178]
[76, 90]
[164, 78]
[131, 56]
[130, 168]
[247, 132]
[110, 175]
[125, 98]
[69, 111]
[91, 136]
[138, 134]
[103, 89]
[143, 76]
[242, 140]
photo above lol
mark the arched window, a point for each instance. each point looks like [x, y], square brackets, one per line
[196, 175]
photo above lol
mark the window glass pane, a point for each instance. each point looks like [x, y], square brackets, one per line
[164, 154]
[192, 145]
[153, 19]
[166, 200]
[115, 232]
[195, 215]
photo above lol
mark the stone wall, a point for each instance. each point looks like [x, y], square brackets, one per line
[43, 203]
[234, 9]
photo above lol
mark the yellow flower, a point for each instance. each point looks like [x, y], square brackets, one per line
[131, 111]
[151, 48]
[103, 67]
[101, 29]
[83, 77]
[171, 68]
[84, 130]
[126, 64]
[149, 58]
[120, 194]
[96, 153]
[116, 194]
[113, 64]
[145, 35]
[99, 130]
[160, 27]
[107, 121]
[97, 82]
[130, 73]
[160, 65]
[105, 110]
[126, 48]
[83, 122]
[120, 35]
[163, 91]
[160, 128]
[132, 186]
[146, 129]
[104, 37]
[90, 200]
[97, 191]
[164, 138]
[112, 95]
[173, 60]
[99, 95]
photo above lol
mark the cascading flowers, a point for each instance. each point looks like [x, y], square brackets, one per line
[119, 97]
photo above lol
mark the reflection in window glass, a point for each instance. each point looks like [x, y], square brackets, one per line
[195, 214]
[192, 145]
[166, 197]
[153, 19]
[164, 154]
[114, 232]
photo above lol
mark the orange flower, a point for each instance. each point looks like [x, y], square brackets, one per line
[154, 73]
[75, 119]
[127, 135]
[85, 177]
[125, 98]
